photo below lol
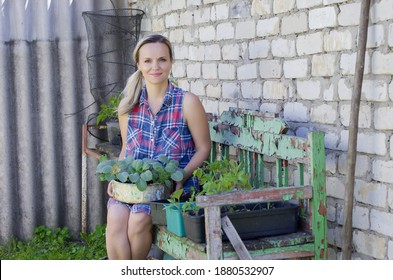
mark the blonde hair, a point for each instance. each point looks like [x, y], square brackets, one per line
[132, 90]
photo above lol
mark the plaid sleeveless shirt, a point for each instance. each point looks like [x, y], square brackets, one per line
[165, 133]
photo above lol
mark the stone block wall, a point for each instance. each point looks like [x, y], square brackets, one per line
[297, 58]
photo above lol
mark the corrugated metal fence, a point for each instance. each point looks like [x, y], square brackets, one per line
[44, 77]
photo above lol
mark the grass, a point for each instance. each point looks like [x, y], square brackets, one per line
[56, 244]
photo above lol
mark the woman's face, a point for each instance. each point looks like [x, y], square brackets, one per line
[155, 62]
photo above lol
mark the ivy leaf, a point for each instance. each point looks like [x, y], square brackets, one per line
[141, 185]
[122, 177]
[147, 176]
[177, 176]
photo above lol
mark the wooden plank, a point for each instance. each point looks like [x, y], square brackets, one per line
[253, 196]
[213, 232]
[235, 239]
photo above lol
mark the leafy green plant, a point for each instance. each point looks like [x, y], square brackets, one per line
[140, 172]
[56, 244]
[109, 111]
[222, 176]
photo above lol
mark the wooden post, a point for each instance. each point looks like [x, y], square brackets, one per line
[353, 130]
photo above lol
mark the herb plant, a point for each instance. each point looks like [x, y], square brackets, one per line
[140, 172]
[109, 111]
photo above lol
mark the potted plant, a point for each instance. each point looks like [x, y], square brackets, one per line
[250, 220]
[140, 180]
[108, 115]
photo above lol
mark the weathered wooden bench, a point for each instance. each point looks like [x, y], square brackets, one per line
[260, 142]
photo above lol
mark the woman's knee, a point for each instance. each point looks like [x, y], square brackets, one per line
[139, 223]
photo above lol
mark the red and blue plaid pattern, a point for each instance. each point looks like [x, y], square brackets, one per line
[165, 133]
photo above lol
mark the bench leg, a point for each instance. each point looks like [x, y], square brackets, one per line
[213, 232]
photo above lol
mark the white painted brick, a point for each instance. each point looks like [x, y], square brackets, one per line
[309, 89]
[349, 14]
[270, 107]
[390, 250]
[210, 1]
[226, 71]
[372, 143]
[213, 91]
[362, 164]
[194, 3]
[375, 90]
[325, 113]
[213, 52]
[157, 25]
[230, 90]
[391, 149]
[331, 161]
[198, 88]
[249, 104]
[328, 93]
[194, 70]
[390, 35]
[251, 90]
[296, 112]
[178, 70]
[230, 52]
[322, 17]
[270, 69]
[283, 48]
[381, 64]
[268, 27]
[345, 89]
[371, 193]
[331, 214]
[303, 4]
[335, 187]
[247, 71]
[222, 11]
[383, 117]
[283, 6]
[191, 35]
[309, 43]
[369, 244]
[224, 106]
[225, 31]
[360, 218]
[172, 20]
[261, 7]
[196, 53]
[211, 106]
[375, 36]
[184, 84]
[163, 7]
[381, 222]
[295, 68]
[338, 41]
[381, 11]
[186, 18]
[209, 71]
[259, 49]
[176, 36]
[202, 16]
[390, 196]
[239, 9]
[383, 170]
[391, 91]
[295, 23]
[245, 30]
[274, 90]
[180, 52]
[207, 33]
[332, 140]
[364, 115]
[323, 65]
[343, 141]
[348, 63]
[178, 5]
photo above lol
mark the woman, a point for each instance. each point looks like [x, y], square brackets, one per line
[158, 118]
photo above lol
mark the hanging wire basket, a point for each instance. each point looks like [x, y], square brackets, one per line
[112, 36]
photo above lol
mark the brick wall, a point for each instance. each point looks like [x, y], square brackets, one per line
[297, 58]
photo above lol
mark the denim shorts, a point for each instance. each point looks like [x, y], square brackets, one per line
[134, 208]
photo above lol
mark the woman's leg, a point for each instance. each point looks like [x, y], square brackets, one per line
[117, 244]
[140, 235]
